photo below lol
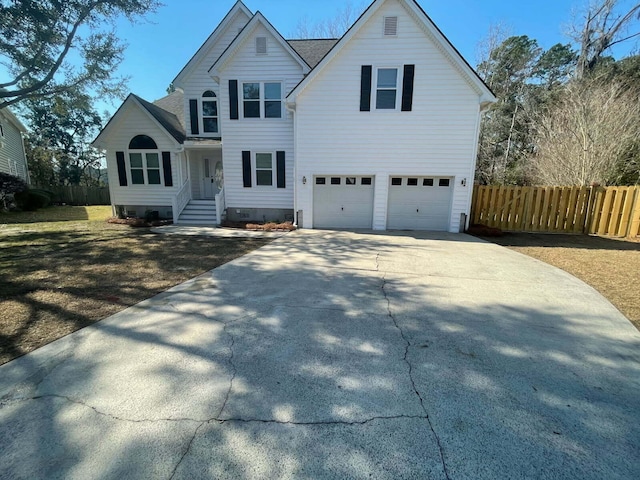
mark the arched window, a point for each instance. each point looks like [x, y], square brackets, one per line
[209, 112]
[142, 142]
[144, 161]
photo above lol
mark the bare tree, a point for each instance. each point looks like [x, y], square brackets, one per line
[333, 27]
[498, 33]
[603, 27]
[588, 136]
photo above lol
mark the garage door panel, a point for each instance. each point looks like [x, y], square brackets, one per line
[344, 205]
[425, 205]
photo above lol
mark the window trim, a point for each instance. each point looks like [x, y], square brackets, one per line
[397, 89]
[261, 99]
[145, 168]
[254, 169]
[201, 115]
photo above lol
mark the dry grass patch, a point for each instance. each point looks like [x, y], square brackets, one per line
[58, 277]
[610, 266]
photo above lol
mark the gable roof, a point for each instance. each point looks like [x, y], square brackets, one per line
[168, 121]
[258, 18]
[208, 43]
[313, 50]
[432, 30]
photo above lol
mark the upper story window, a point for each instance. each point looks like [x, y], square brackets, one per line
[1, 130]
[262, 99]
[209, 112]
[387, 88]
[144, 161]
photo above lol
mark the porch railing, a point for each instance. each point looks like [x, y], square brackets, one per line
[220, 206]
[181, 200]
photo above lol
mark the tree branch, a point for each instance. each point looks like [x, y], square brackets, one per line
[24, 92]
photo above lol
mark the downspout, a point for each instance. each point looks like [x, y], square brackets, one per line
[292, 108]
[24, 154]
[472, 174]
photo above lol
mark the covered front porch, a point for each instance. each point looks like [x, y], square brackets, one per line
[200, 200]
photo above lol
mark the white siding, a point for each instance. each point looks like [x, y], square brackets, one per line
[11, 151]
[437, 138]
[199, 80]
[133, 121]
[257, 135]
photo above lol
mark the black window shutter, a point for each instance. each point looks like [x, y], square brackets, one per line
[280, 166]
[246, 168]
[407, 88]
[365, 88]
[193, 114]
[166, 167]
[122, 169]
[233, 100]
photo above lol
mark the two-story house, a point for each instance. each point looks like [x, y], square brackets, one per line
[377, 129]
[13, 159]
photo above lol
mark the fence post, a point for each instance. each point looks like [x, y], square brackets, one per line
[634, 224]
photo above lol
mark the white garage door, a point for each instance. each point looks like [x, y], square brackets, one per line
[342, 202]
[419, 203]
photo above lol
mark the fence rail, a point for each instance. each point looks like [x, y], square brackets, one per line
[78, 194]
[606, 211]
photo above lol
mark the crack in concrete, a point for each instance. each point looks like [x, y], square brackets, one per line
[96, 410]
[234, 371]
[217, 419]
[410, 366]
[321, 422]
[187, 450]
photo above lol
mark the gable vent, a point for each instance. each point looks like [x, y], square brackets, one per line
[390, 26]
[261, 45]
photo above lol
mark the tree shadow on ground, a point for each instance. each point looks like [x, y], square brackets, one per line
[553, 240]
[56, 288]
[317, 357]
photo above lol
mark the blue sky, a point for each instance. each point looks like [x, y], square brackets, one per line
[159, 48]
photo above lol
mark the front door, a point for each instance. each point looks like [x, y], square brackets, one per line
[209, 188]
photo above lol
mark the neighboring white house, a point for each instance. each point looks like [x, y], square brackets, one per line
[12, 155]
[377, 129]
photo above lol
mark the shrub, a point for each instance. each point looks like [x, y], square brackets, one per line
[31, 200]
[10, 185]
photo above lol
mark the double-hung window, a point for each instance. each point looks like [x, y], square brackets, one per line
[387, 89]
[262, 99]
[144, 163]
[209, 112]
[264, 169]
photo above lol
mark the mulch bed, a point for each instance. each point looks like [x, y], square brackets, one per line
[266, 227]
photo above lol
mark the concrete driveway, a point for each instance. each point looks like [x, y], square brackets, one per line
[339, 355]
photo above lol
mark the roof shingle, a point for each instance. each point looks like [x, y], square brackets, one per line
[313, 50]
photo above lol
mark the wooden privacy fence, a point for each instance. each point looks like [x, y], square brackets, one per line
[78, 194]
[606, 211]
